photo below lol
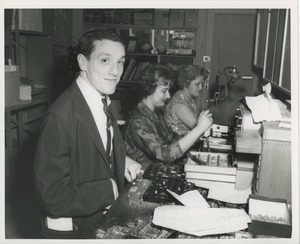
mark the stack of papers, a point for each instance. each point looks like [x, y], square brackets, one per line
[201, 221]
[198, 218]
[263, 107]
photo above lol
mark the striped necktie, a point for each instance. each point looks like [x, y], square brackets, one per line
[108, 124]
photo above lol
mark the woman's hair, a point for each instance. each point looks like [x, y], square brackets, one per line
[149, 79]
[189, 73]
[86, 46]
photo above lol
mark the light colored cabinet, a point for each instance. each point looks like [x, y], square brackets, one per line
[275, 170]
[275, 167]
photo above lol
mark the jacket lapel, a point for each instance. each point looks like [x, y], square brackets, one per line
[86, 119]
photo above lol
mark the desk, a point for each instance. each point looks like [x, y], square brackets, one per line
[21, 122]
[128, 210]
[122, 212]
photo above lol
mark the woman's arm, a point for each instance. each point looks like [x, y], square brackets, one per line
[142, 133]
[204, 122]
[184, 113]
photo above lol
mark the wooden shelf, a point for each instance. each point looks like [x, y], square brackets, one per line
[161, 55]
[30, 33]
[123, 26]
[127, 83]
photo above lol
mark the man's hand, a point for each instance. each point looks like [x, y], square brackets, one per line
[132, 169]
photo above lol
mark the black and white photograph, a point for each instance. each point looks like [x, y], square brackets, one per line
[150, 121]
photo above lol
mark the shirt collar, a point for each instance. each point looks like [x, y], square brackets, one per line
[90, 93]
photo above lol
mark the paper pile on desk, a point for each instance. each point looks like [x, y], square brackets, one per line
[201, 221]
[263, 107]
[198, 218]
[191, 199]
[227, 193]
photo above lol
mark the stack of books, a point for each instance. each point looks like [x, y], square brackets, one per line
[133, 70]
[206, 169]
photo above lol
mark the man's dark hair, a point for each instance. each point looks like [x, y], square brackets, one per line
[86, 46]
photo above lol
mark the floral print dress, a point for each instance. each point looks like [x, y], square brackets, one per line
[170, 117]
[147, 137]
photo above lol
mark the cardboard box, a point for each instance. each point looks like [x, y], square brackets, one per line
[12, 80]
[269, 217]
[209, 159]
[245, 170]
[207, 167]
[271, 130]
[248, 142]
[218, 145]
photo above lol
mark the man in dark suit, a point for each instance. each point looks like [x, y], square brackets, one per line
[80, 160]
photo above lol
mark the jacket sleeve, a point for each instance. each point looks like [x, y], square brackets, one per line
[59, 190]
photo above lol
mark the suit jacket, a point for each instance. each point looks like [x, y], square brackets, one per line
[71, 166]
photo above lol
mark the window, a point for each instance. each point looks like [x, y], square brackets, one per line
[277, 53]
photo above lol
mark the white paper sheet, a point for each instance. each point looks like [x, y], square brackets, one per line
[229, 194]
[263, 108]
[61, 224]
[191, 199]
[285, 125]
[201, 221]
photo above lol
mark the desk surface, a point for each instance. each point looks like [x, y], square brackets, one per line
[27, 103]
[125, 210]
[129, 209]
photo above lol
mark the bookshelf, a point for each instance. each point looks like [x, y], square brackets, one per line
[164, 36]
[28, 48]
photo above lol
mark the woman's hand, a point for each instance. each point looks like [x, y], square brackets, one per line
[205, 120]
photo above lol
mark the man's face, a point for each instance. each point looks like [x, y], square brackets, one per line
[105, 66]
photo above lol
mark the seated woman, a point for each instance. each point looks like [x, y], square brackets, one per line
[182, 111]
[147, 136]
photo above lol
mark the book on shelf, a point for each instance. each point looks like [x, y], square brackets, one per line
[137, 71]
[210, 176]
[129, 69]
[130, 77]
[140, 68]
[133, 70]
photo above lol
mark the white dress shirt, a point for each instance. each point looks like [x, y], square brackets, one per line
[93, 99]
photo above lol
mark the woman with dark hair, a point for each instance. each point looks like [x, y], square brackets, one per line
[182, 111]
[147, 135]
[80, 160]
